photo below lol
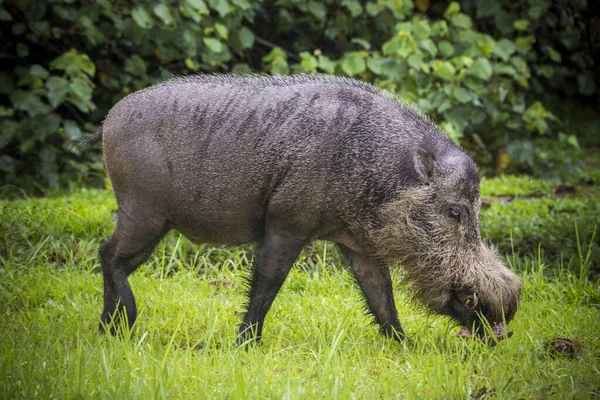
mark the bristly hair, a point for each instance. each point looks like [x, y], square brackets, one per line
[248, 281]
[263, 80]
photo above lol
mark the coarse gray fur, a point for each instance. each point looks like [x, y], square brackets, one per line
[283, 161]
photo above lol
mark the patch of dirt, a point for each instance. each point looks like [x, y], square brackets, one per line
[221, 284]
[564, 190]
[569, 348]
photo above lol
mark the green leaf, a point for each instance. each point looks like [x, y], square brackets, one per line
[67, 13]
[444, 69]
[7, 164]
[525, 43]
[220, 6]
[326, 64]
[473, 83]
[71, 129]
[163, 12]
[81, 92]
[199, 5]
[462, 95]
[74, 63]
[141, 17]
[38, 71]
[402, 45]
[586, 84]
[504, 21]
[462, 21]
[90, 31]
[451, 131]
[391, 46]
[535, 116]
[425, 105]
[6, 112]
[308, 62]
[18, 29]
[28, 102]
[446, 48]
[572, 140]
[22, 50]
[57, 90]
[135, 65]
[487, 8]
[415, 61]
[375, 64]
[221, 30]
[554, 55]
[353, 65]
[422, 29]
[373, 9]
[8, 130]
[191, 64]
[538, 8]
[429, 47]
[440, 28]
[362, 42]
[453, 8]
[5, 15]
[246, 37]
[278, 61]
[504, 48]
[190, 12]
[404, 26]
[504, 69]
[482, 69]
[241, 68]
[521, 24]
[317, 9]
[353, 6]
[242, 4]
[213, 44]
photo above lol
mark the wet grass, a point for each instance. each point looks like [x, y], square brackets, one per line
[317, 341]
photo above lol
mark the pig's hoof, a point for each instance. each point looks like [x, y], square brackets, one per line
[108, 328]
[247, 341]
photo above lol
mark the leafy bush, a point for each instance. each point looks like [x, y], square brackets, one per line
[67, 62]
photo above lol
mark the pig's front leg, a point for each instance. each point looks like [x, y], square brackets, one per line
[273, 261]
[376, 285]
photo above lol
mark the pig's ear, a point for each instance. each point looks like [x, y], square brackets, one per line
[424, 165]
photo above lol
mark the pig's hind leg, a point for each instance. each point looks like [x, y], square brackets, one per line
[376, 285]
[129, 246]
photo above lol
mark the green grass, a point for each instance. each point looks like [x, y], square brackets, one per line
[317, 341]
[525, 216]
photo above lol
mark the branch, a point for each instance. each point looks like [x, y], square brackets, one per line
[74, 113]
[272, 45]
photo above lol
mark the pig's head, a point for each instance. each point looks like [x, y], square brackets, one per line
[432, 230]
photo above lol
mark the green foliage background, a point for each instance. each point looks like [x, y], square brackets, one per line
[479, 68]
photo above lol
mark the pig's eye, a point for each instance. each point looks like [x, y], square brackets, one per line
[454, 213]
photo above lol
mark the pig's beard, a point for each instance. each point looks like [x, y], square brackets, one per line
[437, 262]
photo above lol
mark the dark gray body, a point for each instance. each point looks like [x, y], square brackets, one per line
[278, 161]
[217, 154]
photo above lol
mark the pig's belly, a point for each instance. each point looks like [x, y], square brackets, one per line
[231, 227]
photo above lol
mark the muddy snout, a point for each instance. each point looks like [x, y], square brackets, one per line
[475, 319]
[499, 331]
